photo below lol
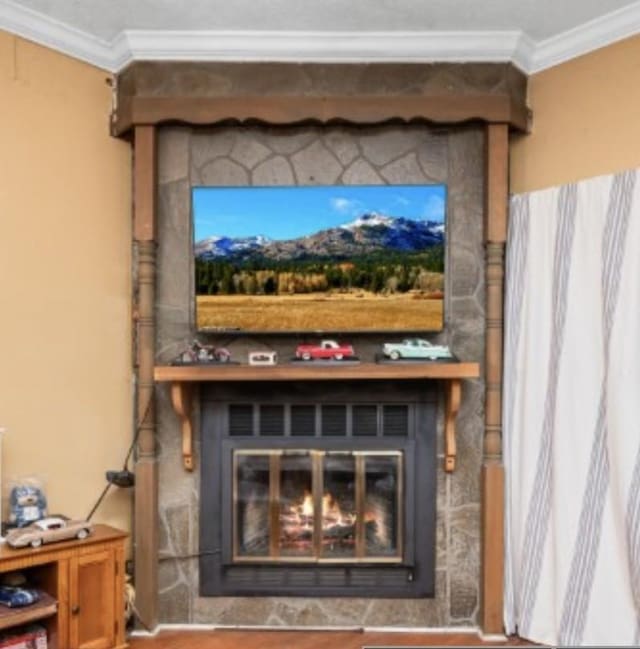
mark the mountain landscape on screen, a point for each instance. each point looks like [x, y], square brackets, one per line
[369, 233]
[373, 271]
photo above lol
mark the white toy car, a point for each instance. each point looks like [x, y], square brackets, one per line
[415, 348]
[48, 530]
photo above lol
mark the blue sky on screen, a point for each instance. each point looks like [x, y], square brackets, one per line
[291, 212]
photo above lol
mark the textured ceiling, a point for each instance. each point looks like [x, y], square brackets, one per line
[539, 19]
[531, 34]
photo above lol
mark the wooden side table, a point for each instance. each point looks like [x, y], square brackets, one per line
[83, 582]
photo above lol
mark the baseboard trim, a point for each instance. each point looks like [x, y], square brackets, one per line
[366, 629]
[470, 630]
[492, 637]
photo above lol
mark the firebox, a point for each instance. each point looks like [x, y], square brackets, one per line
[313, 490]
[317, 505]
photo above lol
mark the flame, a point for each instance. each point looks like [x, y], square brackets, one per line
[332, 514]
[306, 508]
[330, 507]
[297, 519]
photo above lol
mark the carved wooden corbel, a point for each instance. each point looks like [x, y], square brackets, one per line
[452, 405]
[181, 394]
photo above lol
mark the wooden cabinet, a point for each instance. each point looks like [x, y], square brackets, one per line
[86, 579]
[92, 623]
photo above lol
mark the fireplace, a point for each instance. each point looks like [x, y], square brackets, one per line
[306, 490]
[197, 580]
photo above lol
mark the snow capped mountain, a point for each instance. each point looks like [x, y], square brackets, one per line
[368, 233]
[395, 224]
[396, 231]
[370, 220]
[217, 247]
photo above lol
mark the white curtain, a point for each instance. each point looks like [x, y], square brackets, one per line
[571, 413]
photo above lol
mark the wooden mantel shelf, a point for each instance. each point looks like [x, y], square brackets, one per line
[310, 371]
[183, 377]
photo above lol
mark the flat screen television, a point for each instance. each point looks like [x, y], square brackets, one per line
[319, 259]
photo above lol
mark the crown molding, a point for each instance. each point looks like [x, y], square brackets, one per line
[586, 38]
[57, 35]
[326, 47]
[523, 52]
[329, 47]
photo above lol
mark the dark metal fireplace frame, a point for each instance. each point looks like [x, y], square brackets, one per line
[413, 434]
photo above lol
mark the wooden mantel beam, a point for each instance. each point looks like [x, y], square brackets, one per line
[287, 110]
[308, 371]
[208, 92]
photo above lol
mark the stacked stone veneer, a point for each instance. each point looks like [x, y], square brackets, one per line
[394, 154]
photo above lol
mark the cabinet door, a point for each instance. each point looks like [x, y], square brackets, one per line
[91, 601]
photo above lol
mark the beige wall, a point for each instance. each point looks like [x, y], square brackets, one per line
[65, 378]
[586, 119]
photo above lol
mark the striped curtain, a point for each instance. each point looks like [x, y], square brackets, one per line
[572, 414]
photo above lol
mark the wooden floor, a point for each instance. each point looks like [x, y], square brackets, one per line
[223, 639]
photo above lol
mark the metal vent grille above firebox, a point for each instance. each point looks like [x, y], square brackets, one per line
[318, 490]
[324, 420]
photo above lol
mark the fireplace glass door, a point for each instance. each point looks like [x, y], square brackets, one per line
[320, 506]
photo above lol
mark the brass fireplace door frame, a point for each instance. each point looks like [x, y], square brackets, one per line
[317, 457]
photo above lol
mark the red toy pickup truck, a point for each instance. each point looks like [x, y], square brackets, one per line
[327, 349]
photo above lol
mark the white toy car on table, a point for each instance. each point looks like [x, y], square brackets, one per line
[48, 530]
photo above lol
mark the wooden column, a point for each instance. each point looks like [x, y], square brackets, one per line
[146, 471]
[492, 559]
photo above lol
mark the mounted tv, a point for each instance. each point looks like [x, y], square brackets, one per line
[319, 259]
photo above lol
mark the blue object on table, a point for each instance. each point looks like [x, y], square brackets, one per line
[16, 596]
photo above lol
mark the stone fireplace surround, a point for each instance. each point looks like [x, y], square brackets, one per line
[149, 96]
[262, 155]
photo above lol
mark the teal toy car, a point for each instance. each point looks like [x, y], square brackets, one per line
[412, 348]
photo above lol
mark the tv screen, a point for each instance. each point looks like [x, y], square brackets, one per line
[319, 259]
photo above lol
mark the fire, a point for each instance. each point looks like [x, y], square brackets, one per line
[332, 514]
[297, 518]
[337, 526]
[306, 508]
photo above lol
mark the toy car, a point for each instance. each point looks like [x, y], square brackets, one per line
[415, 348]
[17, 596]
[48, 530]
[327, 349]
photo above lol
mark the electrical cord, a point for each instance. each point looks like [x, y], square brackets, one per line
[138, 617]
[99, 501]
[125, 465]
[184, 557]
